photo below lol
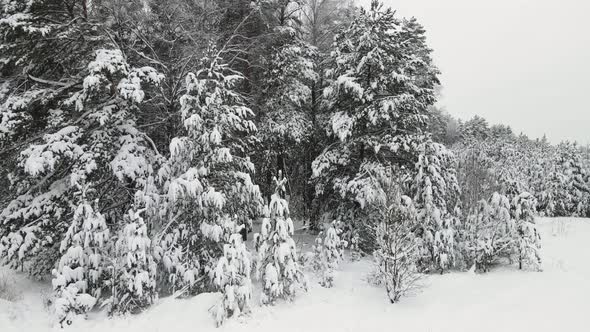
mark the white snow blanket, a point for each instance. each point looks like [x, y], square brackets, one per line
[502, 300]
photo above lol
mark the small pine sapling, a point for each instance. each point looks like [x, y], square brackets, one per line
[134, 286]
[435, 186]
[528, 240]
[79, 277]
[328, 253]
[444, 245]
[232, 277]
[480, 237]
[277, 264]
[502, 224]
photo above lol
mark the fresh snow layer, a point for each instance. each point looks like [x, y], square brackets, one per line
[505, 299]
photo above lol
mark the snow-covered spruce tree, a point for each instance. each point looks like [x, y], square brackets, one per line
[380, 84]
[206, 182]
[232, 277]
[277, 264]
[397, 251]
[133, 276]
[527, 241]
[436, 193]
[328, 252]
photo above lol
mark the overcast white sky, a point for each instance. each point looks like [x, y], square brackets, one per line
[525, 63]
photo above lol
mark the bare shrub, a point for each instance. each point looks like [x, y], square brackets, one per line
[396, 256]
[8, 290]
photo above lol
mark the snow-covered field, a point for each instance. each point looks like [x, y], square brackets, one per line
[505, 299]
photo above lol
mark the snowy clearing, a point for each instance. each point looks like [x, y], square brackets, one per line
[503, 300]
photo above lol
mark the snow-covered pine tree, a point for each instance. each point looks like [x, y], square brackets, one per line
[544, 179]
[90, 143]
[232, 277]
[79, 277]
[503, 225]
[527, 242]
[474, 173]
[277, 264]
[285, 90]
[557, 195]
[397, 251]
[478, 238]
[510, 172]
[539, 168]
[328, 252]
[574, 187]
[206, 182]
[133, 276]
[436, 193]
[476, 128]
[67, 121]
[286, 124]
[322, 19]
[380, 84]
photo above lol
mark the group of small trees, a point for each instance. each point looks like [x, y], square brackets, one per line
[494, 159]
[131, 175]
[501, 229]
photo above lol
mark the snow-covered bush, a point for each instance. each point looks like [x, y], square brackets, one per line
[72, 303]
[232, 277]
[134, 269]
[491, 232]
[328, 252]
[277, 265]
[397, 253]
[527, 237]
[8, 290]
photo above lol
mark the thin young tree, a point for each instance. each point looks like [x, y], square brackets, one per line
[277, 265]
[397, 251]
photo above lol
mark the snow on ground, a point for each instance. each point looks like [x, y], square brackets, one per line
[27, 313]
[503, 300]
